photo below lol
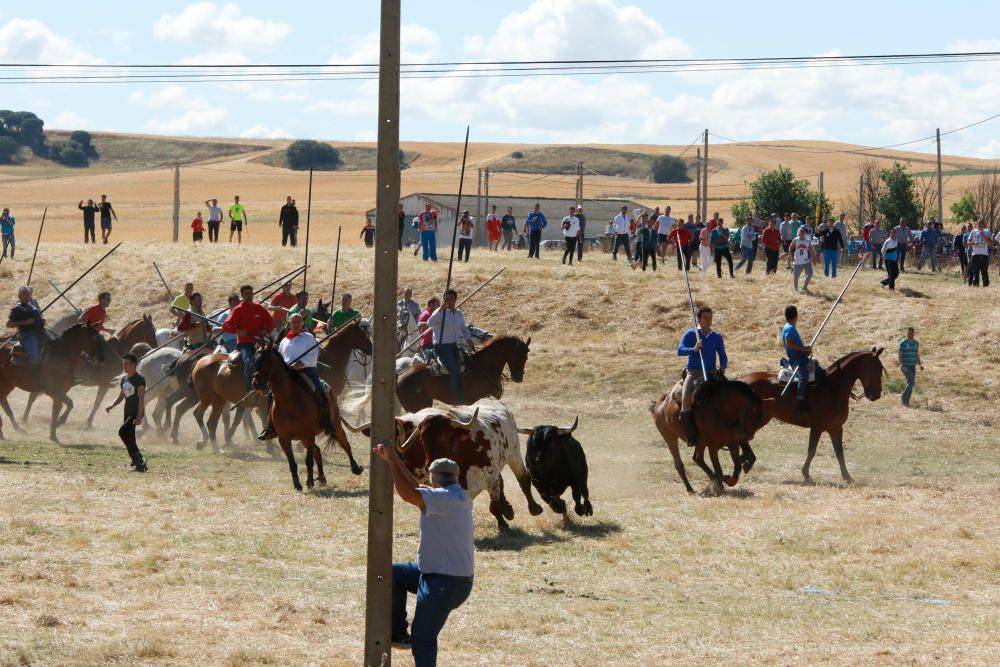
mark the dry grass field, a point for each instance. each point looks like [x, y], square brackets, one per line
[213, 560]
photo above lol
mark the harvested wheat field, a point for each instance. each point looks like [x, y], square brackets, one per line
[213, 560]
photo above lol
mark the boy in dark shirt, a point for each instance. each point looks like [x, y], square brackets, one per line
[107, 210]
[133, 392]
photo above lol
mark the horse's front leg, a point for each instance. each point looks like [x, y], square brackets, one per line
[747, 456]
[734, 452]
[54, 423]
[837, 437]
[717, 476]
[5, 404]
[309, 447]
[102, 390]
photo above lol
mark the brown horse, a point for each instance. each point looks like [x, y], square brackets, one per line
[101, 375]
[828, 402]
[335, 352]
[57, 367]
[296, 415]
[727, 414]
[417, 387]
[216, 384]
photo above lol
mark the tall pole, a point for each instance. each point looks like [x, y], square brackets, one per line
[697, 185]
[38, 241]
[479, 201]
[819, 202]
[309, 205]
[458, 212]
[336, 265]
[486, 193]
[378, 589]
[940, 191]
[704, 182]
[177, 202]
[861, 203]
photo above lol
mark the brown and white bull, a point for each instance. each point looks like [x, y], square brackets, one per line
[482, 438]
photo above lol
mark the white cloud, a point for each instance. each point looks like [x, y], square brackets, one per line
[172, 96]
[195, 121]
[70, 120]
[209, 25]
[264, 132]
[30, 41]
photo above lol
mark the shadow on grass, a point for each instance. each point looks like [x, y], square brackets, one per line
[4, 461]
[592, 529]
[913, 294]
[330, 492]
[515, 539]
[838, 484]
[84, 447]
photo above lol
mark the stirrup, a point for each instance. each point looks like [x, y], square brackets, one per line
[269, 432]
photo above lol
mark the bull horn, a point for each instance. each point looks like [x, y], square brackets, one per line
[469, 424]
[566, 430]
[525, 431]
[355, 429]
[406, 443]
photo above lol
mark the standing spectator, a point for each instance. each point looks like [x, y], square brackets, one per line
[427, 340]
[960, 250]
[214, 219]
[466, 226]
[890, 251]
[133, 392]
[621, 223]
[801, 252]
[88, 220]
[97, 315]
[571, 231]
[407, 302]
[7, 231]
[197, 228]
[772, 240]
[681, 236]
[928, 245]
[402, 225]
[228, 339]
[720, 247]
[237, 217]
[581, 237]
[841, 226]
[904, 237]
[493, 229]
[787, 233]
[748, 243]
[368, 232]
[279, 305]
[251, 322]
[909, 359]
[878, 237]
[427, 224]
[533, 226]
[107, 211]
[647, 242]
[704, 240]
[831, 238]
[288, 220]
[866, 242]
[968, 253]
[758, 228]
[664, 225]
[979, 265]
[508, 224]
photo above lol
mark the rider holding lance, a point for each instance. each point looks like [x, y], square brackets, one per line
[249, 321]
[27, 319]
[448, 327]
[798, 355]
[701, 346]
[97, 314]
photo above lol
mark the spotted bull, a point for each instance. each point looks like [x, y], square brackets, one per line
[556, 462]
[482, 438]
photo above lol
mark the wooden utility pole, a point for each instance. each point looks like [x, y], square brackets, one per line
[378, 589]
[579, 184]
[309, 206]
[697, 185]
[704, 183]
[177, 202]
[940, 191]
[861, 203]
[479, 201]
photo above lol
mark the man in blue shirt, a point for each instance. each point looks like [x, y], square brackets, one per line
[928, 245]
[798, 355]
[533, 226]
[697, 345]
[7, 230]
[442, 575]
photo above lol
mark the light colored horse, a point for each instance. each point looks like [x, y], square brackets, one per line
[154, 367]
[163, 335]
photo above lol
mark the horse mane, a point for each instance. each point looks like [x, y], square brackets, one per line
[120, 334]
[844, 359]
[710, 390]
[496, 340]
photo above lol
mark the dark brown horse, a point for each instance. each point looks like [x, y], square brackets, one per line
[828, 402]
[101, 375]
[727, 414]
[417, 387]
[296, 415]
[57, 368]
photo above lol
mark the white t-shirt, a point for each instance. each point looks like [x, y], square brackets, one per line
[800, 251]
[472, 226]
[621, 223]
[665, 224]
[747, 236]
[980, 241]
[214, 213]
[574, 225]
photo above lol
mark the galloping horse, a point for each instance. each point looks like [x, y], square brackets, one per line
[828, 402]
[296, 415]
[57, 367]
[101, 375]
[417, 387]
[727, 414]
[215, 384]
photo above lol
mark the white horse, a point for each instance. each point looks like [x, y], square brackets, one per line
[154, 367]
[164, 335]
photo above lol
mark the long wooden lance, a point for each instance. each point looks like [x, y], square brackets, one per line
[694, 318]
[38, 241]
[170, 292]
[309, 201]
[290, 274]
[82, 276]
[454, 231]
[64, 297]
[336, 265]
[795, 371]
[290, 278]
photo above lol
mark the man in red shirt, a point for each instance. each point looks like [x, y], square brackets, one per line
[493, 229]
[427, 341]
[97, 314]
[771, 238]
[249, 321]
[280, 304]
[683, 236]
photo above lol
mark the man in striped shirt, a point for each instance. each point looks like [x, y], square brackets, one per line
[909, 359]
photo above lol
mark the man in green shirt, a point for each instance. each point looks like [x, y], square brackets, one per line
[909, 359]
[182, 302]
[237, 216]
[340, 317]
[302, 298]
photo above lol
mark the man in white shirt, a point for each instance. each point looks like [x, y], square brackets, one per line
[748, 245]
[465, 228]
[299, 350]
[979, 242]
[802, 257]
[214, 219]
[664, 225]
[448, 327]
[571, 233]
[621, 223]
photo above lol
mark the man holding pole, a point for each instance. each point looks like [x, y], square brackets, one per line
[701, 346]
[448, 327]
[182, 302]
[798, 355]
[97, 314]
[250, 321]
[28, 321]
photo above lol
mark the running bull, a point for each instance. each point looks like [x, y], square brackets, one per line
[556, 462]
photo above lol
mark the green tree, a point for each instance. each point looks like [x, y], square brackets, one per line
[308, 154]
[740, 210]
[69, 154]
[669, 169]
[964, 209]
[32, 131]
[778, 191]
[899, 199]
[83, 138]
[8, 150]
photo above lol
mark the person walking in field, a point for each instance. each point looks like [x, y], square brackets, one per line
[197, 228]
[132, 390]
[959, 249]
[493, 229]
[97, 315]
[831, 239]
[904, 238]
[7, 232]
[664, 225]
[214, 219]
[581, 236]
[787, 234]
[878, 237]
[237, 218]
[890, 251]
[841, 226]
[571, 231]
[928, 246]
[748, 245]
[288, 220]
[801, 252]
[720, 248]
[621, 223]
[979, 243]
[771, 238]
[647, 242]
[908, 359]
[681, 235]
[368, 233]
[533, 226]
[107, 212]
[466, 226]
[508, 225]
[427, 224]
[89, 212]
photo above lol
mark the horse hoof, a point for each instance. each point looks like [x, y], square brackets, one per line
[200, 445]
[321, 481]
[731, 480]
[849, 480]
[536, 509]
[808, 482]
[357, 469]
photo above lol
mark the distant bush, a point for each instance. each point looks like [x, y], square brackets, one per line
[8, 150]
[517, 155]
[69, 154]
[308, 154]
[669, 169]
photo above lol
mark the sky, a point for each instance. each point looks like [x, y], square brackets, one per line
[874, 106]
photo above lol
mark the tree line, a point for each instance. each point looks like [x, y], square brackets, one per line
[24, 129]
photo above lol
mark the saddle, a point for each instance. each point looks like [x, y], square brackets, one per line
[18, 356]
[678, 391]
[785, 370]
[437, 368]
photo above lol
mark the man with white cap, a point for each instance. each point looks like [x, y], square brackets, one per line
[442, 575]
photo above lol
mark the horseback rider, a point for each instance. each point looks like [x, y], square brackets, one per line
[698, 345]
[345, 314]
[97, 314]
[301, 306]
[27, 319]
[405, 309]
[249, 321]
[299, 350]
[448, 327]
[427, 340]
[196, 328]
[798, 355]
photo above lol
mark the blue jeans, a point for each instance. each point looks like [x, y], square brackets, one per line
[8, 240]
[910, 373]
[802, 377]
[448, 354]
[229, 343]
[29, 341]
[830, 263]
[247, 351]
[428, 239]
[310, 372]
[437, 596]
